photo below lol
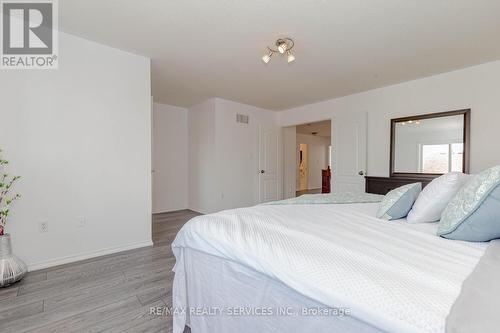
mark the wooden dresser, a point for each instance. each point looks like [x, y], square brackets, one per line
[382, 185]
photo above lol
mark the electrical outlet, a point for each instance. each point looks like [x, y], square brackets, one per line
[80, 221]
[43, 226]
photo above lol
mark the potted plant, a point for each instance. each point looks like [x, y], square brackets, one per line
[12, 269]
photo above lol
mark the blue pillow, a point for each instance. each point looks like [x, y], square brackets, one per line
[398, 202]
[474, 213]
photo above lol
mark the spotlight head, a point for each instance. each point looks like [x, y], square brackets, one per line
[282, 47]
[267, 57]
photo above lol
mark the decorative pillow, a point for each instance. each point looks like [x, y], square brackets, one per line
[398, 202]
[474, 213]
[434, 198]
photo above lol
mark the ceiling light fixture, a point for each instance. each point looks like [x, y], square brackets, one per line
[284, 46]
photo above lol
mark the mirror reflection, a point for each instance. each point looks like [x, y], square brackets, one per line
[434, 145]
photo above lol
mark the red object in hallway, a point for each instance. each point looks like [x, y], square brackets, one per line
[326, 176]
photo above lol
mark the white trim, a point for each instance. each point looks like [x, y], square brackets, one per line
[88, 255]
[199, 210]
[173, 210]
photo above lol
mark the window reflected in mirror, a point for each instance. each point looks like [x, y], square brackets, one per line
[441, 158]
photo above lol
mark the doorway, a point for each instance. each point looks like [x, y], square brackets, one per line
[307, 158]
[303, 168]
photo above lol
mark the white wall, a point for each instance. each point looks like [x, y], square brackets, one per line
[313, 140]
[170, 158]
[202, 168]
[224, 154]
[475, 87]
[237, 148]
[80, 137]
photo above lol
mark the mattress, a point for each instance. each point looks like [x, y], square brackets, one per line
[393, 276]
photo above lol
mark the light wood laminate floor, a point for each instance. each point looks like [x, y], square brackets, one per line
[112, 293]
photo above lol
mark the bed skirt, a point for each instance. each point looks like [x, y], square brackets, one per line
[215, 295]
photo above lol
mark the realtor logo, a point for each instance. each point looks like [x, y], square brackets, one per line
[29, 34]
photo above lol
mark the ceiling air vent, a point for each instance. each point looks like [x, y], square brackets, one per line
[243, 119]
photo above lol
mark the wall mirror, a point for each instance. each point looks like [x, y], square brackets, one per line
[430, 145]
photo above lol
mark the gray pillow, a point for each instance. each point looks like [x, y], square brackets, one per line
[474, 213]
[398, 202]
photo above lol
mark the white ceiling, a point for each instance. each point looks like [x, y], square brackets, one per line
[322, 128]
[213, 48]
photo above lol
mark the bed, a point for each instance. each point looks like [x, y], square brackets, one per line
[316, 268]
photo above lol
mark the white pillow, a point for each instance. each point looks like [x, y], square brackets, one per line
[434, 198]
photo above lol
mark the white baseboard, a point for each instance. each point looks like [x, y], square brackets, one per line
[87, 255]
[199, 210]
[170, 210]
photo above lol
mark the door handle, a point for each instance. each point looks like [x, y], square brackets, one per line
[262, 171]
[361, 173]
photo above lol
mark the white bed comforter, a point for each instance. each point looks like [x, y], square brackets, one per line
[392, 275]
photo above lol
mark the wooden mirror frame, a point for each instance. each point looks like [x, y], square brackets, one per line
[466, 156]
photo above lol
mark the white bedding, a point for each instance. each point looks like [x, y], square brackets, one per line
[395, 276]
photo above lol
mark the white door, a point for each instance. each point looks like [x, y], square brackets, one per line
[349, 153]
[269, 183]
